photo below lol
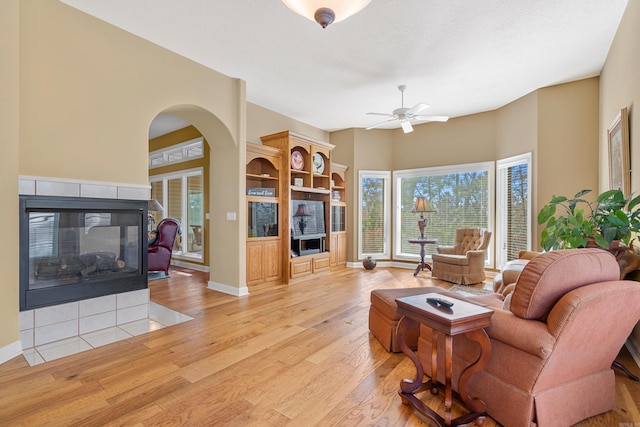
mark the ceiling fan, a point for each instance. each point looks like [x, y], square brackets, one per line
[406, 115]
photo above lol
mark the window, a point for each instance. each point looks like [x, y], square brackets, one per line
[513, 201]
[181, 196]
[373, 214]
[189, 150]
[461, 195]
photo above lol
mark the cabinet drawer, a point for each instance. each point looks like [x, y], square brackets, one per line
[300, 267]
[321, 263]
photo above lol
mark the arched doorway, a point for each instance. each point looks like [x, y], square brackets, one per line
[222, 164]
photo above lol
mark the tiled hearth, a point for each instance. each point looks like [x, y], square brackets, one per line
[53, 332]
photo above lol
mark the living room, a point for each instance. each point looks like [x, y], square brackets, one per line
[66, 93]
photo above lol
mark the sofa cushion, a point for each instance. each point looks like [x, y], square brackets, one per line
[547, 277]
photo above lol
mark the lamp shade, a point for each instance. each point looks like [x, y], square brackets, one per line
[302, 210]
[422, 205]
[324, 12]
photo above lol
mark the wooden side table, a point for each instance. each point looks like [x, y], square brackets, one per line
[422, 242]
[461, 318]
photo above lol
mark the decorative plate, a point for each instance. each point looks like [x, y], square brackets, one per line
[297, 161]
[318, 163]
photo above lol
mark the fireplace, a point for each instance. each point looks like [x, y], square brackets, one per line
[74, 248]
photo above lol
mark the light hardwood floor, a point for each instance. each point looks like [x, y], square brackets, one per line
[298, 354]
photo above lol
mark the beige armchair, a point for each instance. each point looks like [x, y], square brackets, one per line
[462, 263]
[552, 350]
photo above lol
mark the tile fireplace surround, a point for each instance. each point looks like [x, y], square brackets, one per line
[42, 326]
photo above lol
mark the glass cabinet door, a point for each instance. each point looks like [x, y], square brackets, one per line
[262, 219]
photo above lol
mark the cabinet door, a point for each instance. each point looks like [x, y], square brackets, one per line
[272, 263]
[342, 249]
[255, 262]
[333, 255]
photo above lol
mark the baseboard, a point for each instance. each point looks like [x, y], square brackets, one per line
[226, 289]
[396, 264]
[185, 264]
[634, 350]
[10, 351]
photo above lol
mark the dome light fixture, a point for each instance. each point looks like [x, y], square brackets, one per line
[325, 12]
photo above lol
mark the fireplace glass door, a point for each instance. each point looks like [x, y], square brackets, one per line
[75, 251]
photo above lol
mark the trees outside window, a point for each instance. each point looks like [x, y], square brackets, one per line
[373, 214]
[461, 195]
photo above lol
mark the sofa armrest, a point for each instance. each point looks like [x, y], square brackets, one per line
[531, 336]
[449, 250]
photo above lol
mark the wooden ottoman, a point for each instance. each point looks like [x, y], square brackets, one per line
[384, 317]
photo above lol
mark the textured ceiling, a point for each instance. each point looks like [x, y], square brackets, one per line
[459, 56]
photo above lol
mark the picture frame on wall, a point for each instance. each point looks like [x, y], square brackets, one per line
[619, 163]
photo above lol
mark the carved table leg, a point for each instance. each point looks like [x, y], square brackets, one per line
[479, 336]
[408, 386]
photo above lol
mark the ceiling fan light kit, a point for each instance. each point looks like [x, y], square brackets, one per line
[405, 115]
[325, 12]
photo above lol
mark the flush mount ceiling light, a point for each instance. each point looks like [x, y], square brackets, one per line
[324, 12]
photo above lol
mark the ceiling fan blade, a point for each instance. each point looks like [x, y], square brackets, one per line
[381, 114]
[416, 109]
[431, 118]
[380, 124]
[406, 126]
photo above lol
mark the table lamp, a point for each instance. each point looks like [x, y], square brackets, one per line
[422, 205]
[302, 213]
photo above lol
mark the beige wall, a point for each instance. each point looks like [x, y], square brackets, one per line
[467, 139]
[567, 153]
[568, 138]
[9, 142]
[517, 127]
[261, 122]
[619, 88]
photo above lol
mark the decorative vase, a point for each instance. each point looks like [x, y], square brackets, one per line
[369, 263]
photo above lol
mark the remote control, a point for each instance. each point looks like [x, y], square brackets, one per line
[438, 301]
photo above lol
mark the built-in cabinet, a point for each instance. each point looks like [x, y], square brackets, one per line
[264, 174]
[338, 215]
[306, 190]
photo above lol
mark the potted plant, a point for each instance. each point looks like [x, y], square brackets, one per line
[609, 222]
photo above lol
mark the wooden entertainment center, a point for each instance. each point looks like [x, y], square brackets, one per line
[296, 201]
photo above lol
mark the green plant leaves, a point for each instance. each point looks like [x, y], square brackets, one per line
[611, 217]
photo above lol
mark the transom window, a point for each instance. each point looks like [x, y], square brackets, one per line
[188, 150]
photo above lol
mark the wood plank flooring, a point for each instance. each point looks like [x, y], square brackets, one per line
[298, 355]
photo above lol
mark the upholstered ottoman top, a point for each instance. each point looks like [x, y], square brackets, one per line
[385, 300]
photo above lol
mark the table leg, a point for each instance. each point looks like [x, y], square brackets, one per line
[408, 386]
[434, 362]
[422, 265]
[448, 400]
[473, 403]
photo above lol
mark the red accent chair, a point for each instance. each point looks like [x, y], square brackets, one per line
[161, 248]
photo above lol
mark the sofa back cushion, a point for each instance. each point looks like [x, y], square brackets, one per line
[547, 277]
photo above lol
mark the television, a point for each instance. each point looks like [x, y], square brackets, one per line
[307, 218]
